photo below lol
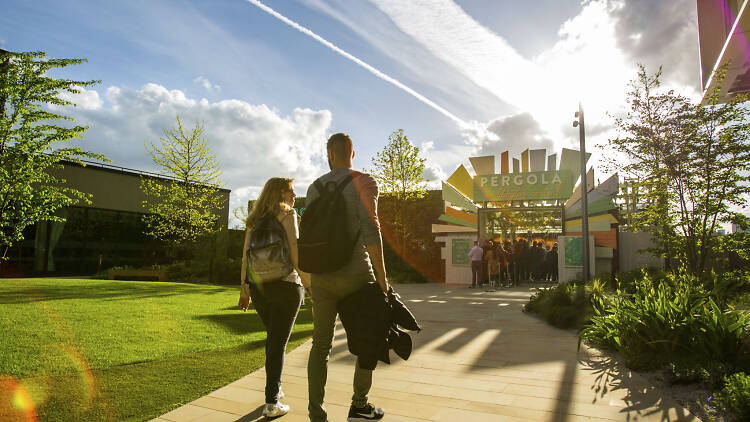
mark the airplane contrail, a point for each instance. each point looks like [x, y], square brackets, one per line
[462, 124]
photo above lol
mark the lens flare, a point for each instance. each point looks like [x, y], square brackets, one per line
[86, 375]
[15, 402]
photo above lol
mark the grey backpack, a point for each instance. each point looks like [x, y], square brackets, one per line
[268, 251]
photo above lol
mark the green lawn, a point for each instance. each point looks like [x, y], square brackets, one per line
[124, 350]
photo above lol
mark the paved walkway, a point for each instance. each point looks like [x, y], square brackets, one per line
[479, 358]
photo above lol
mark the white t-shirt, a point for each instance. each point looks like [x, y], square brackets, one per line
[476, 253]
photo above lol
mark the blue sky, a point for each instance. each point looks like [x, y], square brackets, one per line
[506, 74]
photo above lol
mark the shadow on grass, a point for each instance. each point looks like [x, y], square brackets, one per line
[249, 322]
[101, 290]
[141, 391]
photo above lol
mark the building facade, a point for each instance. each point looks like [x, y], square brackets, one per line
[105, 233]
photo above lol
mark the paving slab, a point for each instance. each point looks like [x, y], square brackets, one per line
[478, 358]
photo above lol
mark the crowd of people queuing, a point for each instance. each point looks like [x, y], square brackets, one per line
[508, 263]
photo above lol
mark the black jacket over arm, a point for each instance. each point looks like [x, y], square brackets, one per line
[370, 321]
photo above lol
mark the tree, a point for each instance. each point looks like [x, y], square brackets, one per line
[690, 164]
[30, 143]
[186, 206]
[398, 170]
[240, 213]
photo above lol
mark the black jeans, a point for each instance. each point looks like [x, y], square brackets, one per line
[277, 304]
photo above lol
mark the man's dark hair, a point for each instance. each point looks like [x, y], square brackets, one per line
[340, 144]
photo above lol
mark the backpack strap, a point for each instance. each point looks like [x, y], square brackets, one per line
[343, 184]
[318, 187]
[339, 188]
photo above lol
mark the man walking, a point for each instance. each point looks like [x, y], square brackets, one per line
[476, 254]
[361, 198]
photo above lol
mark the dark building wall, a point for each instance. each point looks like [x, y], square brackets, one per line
[108, 232]
[116, 189]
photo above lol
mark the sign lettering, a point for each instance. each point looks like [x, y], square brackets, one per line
[523, 186]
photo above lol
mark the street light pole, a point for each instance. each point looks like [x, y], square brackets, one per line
[584, 194]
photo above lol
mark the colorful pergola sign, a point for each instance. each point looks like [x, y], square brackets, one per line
[536, 185]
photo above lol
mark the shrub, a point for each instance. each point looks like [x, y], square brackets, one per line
[685, 372]
[727, 286]
[734, 398]
[225, 271]
[626, 281]
[564, 306]
[665, 321]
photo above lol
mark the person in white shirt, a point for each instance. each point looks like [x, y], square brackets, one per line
[475, 254]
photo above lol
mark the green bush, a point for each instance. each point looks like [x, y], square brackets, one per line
[225, 271]
[688, 370]
[664, 321]
[626, 281]
[685, 372]
[734, 398]
[566, 305]
[727, 286]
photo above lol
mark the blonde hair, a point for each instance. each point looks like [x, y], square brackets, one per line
[271, 199]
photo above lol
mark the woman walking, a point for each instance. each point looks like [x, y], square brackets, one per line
[276, 300]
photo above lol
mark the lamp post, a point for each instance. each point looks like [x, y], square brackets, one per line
[584, 193]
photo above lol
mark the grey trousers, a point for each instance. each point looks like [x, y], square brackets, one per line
[325, 296]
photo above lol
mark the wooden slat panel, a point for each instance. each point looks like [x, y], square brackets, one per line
[516, 165]
[454, 197]
[608, 239]
[456, 221]
[603, 252]
[597, 223]
[576, 197]
[462, 181]
[504, 167]
[483, 165]
[571, 160]
[525, 161]
[552, 162]
[609, 188]
[537, 158]
[444, 228]
[597, 207]
[452, 212]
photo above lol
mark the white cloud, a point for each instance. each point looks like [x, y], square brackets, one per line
[663, 33]
[586, 64]
[433, 173]
[86, 99]
[206, 84]
[251, 142]
[358, 61]
[425, 69]
[591, 62]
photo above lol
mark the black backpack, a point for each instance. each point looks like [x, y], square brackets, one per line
[325, 244]
[268, 251]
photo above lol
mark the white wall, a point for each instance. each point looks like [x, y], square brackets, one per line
[455, 274]
[630, 257]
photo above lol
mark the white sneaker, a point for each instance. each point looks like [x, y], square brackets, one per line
[272, 410]
[281, 393]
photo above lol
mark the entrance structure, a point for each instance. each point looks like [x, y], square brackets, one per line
[531, 198]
